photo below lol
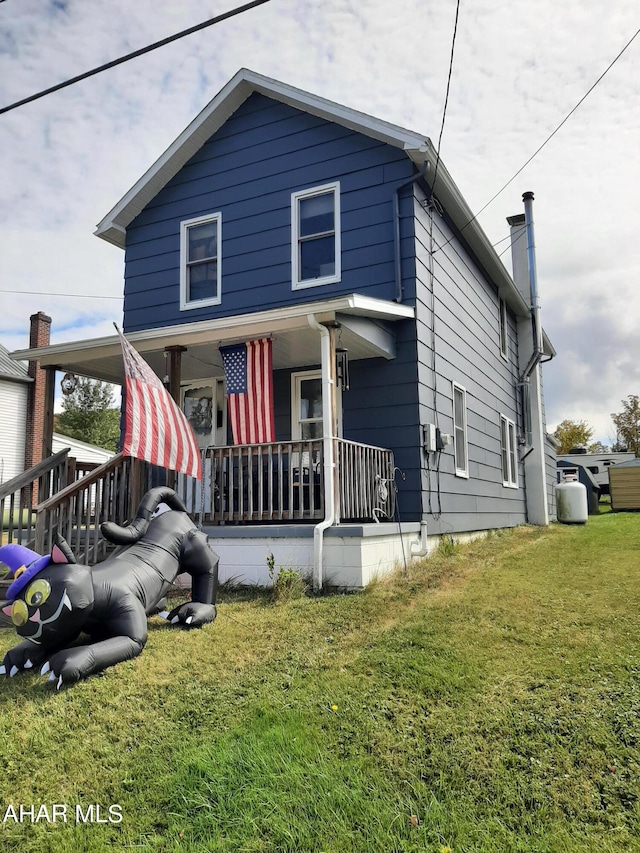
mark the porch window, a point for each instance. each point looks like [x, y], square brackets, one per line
[315, 236]
[460, 430]
[200, 261]
[306, 405]
[508, 451]
[503, 329]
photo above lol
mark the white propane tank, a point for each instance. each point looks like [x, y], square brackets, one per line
[571, 502]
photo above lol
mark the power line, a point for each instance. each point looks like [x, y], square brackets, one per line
[550, 137]
[72, 295]
[223, 17]
[446, 98]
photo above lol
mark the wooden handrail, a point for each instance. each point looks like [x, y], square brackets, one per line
[81, 485]
[27, 477]
[111, 492]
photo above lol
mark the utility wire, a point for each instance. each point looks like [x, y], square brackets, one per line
[446, 97]
[550, 137]
[223, 17]
[72, 295]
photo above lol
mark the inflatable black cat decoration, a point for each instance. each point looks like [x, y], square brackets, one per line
[52, 599]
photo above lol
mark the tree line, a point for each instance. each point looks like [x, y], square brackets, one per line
[570, 434]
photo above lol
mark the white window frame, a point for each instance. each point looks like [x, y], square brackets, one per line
[508, 446]
[460, 428]
[503, 329]
[296, 197]
[297, 379]
[185, 303]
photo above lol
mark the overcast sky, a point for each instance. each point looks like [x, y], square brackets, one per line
[519, 68]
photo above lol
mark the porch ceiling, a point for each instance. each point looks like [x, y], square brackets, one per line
[365, 331]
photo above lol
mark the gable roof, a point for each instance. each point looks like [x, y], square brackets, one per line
[418, 148]
[112, 228]
[14, 371]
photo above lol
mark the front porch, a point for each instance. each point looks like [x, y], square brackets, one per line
[286, 482]
[312, 475]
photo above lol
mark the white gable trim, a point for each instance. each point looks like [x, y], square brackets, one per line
[113, 227]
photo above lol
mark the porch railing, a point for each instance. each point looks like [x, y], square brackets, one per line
[366, 490]
[284, 482]
[279, 482]
[110, 492]
[259, 483]
[20, 496]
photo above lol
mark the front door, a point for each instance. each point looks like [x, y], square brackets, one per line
[205, 407]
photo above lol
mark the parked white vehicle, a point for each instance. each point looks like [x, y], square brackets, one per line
[598, 464]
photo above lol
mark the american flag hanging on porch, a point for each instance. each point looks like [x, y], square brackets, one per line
[249, 380]
[155, 428]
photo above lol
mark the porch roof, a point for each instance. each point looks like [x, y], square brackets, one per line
[365, 331]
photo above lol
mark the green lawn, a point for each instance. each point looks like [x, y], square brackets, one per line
[489, 700]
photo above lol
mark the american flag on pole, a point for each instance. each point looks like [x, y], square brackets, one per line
[248, 375]
[155, 428]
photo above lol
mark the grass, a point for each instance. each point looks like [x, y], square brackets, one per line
[486, 700]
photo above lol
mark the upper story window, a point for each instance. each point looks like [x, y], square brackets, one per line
[315, 236]
[200, 261]
[508, 450]
[460, 431]
[503, 329]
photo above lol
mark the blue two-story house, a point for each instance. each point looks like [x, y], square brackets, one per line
[407, 394]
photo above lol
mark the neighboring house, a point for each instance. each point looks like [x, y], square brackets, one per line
[16, 437]
[80, 450]
[278, 213]
[14, 399]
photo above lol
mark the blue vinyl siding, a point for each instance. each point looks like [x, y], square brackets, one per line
[247, 171]
[467, 352]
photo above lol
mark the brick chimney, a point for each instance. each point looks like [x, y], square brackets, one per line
[38, 408]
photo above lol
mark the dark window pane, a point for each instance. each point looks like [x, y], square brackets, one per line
[203, 241]
[317, 258]
[460, 451]
[316, 214]
[203, 281]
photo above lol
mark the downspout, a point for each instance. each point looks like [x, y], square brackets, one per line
[330, 516]
[396, 218]
[419, 547]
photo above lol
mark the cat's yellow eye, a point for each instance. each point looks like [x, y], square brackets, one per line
[38, 593]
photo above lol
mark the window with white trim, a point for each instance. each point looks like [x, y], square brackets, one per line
[306, 405]
[315, 236]
[460, 430]
[508, 448]
[200, 261]
[503, 329]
